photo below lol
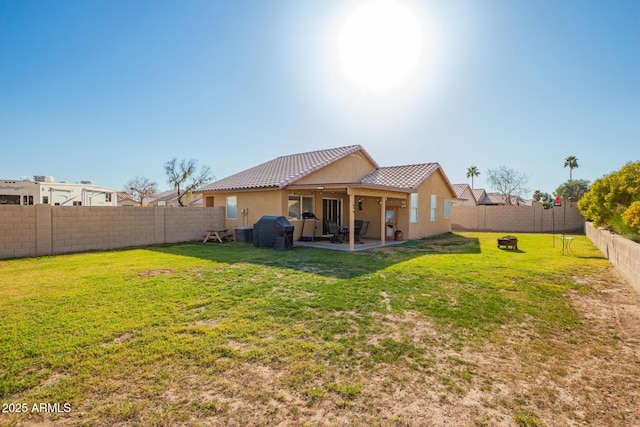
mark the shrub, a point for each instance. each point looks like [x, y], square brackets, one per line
[632, 215]
[611, 196]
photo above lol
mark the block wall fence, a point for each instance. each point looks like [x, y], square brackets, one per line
[517, 219]
[624, 254]
[27, 231]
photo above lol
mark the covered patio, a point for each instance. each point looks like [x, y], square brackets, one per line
[378, 205]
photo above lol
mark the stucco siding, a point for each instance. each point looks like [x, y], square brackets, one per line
[255, 203]
[424, 227]
[348, 169]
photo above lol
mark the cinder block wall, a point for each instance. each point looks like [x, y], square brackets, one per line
[44, 230]
[517, 219]
[624, 254]
[18, 231]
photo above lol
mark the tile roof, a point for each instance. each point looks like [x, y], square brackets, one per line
[499, 199]
[479, 194]
[459, 189]
[172, 196]
[407, 176]
[165, 195]
[122, 195]
[282, 171]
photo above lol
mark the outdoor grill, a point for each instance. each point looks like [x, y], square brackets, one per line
[273, 232]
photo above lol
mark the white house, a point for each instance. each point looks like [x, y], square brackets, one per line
[44, 190]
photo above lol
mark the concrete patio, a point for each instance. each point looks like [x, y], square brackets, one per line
[344, 246]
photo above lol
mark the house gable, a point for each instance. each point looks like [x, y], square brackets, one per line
[348, 169]
[464, 195]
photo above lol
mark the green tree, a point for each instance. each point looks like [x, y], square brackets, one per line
[610, 196]
[472, 171]
[573, 189]
[572, 163]
[537, 195]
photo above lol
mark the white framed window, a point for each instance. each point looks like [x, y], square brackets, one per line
[232, 207]
[447, 209]
[414, 207]
[434, 207]
[298, 205]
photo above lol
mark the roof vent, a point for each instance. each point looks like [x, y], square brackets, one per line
[86, 182]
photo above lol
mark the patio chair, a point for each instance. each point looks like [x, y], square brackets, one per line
[332, 226]
[363, 229]
[357, 225]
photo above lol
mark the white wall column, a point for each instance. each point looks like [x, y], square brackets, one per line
[352, 222]
[383, 217]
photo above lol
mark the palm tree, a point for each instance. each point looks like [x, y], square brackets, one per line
[572, 162]
[472, 172]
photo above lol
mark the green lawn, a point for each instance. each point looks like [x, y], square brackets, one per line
[452, 328]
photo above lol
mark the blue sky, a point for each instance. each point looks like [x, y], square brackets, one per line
[108, 91]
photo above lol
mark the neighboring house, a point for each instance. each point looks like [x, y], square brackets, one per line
[44, 190]
[479, 195]
[166, 198]
[342, 185]
[499, 199]
[464, 195]
[125, 200]
[170, 198]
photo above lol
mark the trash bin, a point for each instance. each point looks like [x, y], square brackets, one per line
[398, 235]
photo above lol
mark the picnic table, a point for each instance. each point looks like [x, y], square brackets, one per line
[219, 235]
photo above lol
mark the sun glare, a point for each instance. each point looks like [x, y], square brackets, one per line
[380, 45]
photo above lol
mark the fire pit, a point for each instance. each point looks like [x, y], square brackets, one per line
[508, 242]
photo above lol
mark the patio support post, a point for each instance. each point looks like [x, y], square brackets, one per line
[383, 225]
[352, 223]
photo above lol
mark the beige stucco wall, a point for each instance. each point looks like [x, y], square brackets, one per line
[255, 203]
[348, 169]
[435, 184]
[45, 230]
[523, 219]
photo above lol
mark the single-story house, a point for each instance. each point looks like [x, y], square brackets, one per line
[497, 199]
[479, 194]
[170, 198]
[124, 199]
[338, 185]
[464, 195]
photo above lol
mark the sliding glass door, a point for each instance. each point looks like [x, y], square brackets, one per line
[331, 211]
